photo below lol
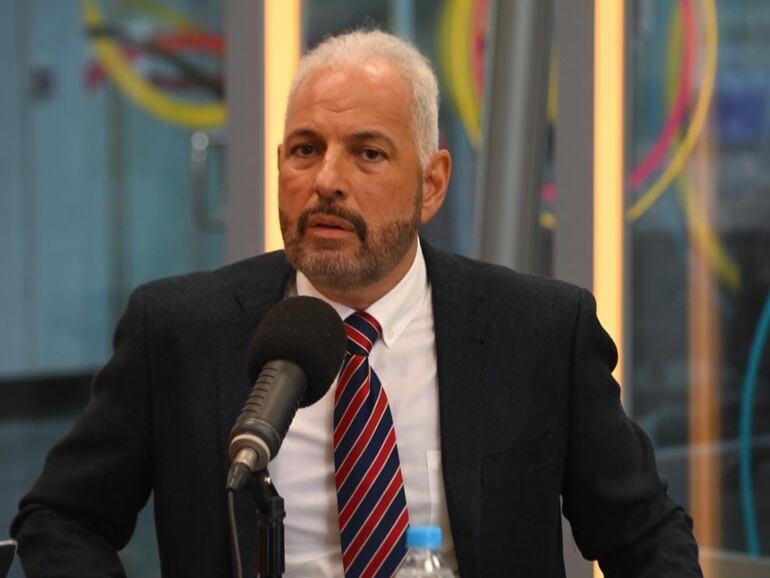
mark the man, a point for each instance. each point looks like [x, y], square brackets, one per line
[493, 389]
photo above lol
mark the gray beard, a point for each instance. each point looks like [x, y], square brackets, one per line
[377, 254]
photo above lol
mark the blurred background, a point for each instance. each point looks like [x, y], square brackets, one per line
[134, 137]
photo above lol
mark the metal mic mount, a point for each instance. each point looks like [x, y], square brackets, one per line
[271, 562]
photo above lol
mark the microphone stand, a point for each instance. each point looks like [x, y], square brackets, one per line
[270, 539]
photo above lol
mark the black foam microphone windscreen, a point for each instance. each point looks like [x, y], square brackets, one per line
[306, 331]
[294, 357]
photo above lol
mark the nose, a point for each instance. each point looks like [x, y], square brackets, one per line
[330, 178]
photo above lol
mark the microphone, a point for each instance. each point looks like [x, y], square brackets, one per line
[293, 359]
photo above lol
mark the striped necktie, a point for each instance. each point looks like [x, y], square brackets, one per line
[371, 503]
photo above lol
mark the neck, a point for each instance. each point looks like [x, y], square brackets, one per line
[359, 298]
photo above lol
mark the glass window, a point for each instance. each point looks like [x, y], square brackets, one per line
[111, 159]
[699, 229]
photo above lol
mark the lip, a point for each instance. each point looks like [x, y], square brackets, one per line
[329, 227]
[329, 222]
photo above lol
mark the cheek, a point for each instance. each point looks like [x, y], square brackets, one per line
[294, 190]
[396, 200]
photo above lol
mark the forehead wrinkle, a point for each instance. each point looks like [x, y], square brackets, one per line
[321, 89]
[333, 104]
[375, 126]
[324, 99]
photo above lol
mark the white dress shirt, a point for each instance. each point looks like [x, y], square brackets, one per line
[303, 471]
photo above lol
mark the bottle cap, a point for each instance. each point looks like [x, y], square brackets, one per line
[423, 537]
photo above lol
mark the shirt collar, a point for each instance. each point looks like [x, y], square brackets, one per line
[395, 310]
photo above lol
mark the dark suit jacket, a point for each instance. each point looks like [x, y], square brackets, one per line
[529, 413]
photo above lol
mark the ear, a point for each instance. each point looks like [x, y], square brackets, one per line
[435, 181]
[278, 157]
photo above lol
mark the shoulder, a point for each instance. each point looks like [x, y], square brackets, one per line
[202, 290]
[547, 313]
[500, 287]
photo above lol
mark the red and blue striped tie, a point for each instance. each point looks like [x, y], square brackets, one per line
[370, 490]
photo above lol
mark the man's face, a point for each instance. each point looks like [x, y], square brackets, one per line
[350, 181]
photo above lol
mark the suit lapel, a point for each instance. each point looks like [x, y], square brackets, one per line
[461, 357]
[460, 329]
[254, 295]
[248, 302]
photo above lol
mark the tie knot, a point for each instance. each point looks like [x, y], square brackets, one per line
[362, 330]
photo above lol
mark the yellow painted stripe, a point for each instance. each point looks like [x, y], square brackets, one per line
[609, 51]
[282, 42]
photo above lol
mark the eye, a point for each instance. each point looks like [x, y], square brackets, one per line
[372, 154]
[303, 150]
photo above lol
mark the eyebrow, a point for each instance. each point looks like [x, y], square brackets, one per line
[303, 132]
[373, 135]
[357, 136]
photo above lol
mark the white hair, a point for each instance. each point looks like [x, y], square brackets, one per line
[361, 46]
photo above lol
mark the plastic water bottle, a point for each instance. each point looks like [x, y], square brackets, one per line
[423, 558]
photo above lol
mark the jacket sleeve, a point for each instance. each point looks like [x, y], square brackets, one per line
[83, 508]
[620, 512]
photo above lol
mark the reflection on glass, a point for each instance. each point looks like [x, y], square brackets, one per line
[104, 97]
[699, 218]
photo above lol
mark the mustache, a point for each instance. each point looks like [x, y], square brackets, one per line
[325, 207]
